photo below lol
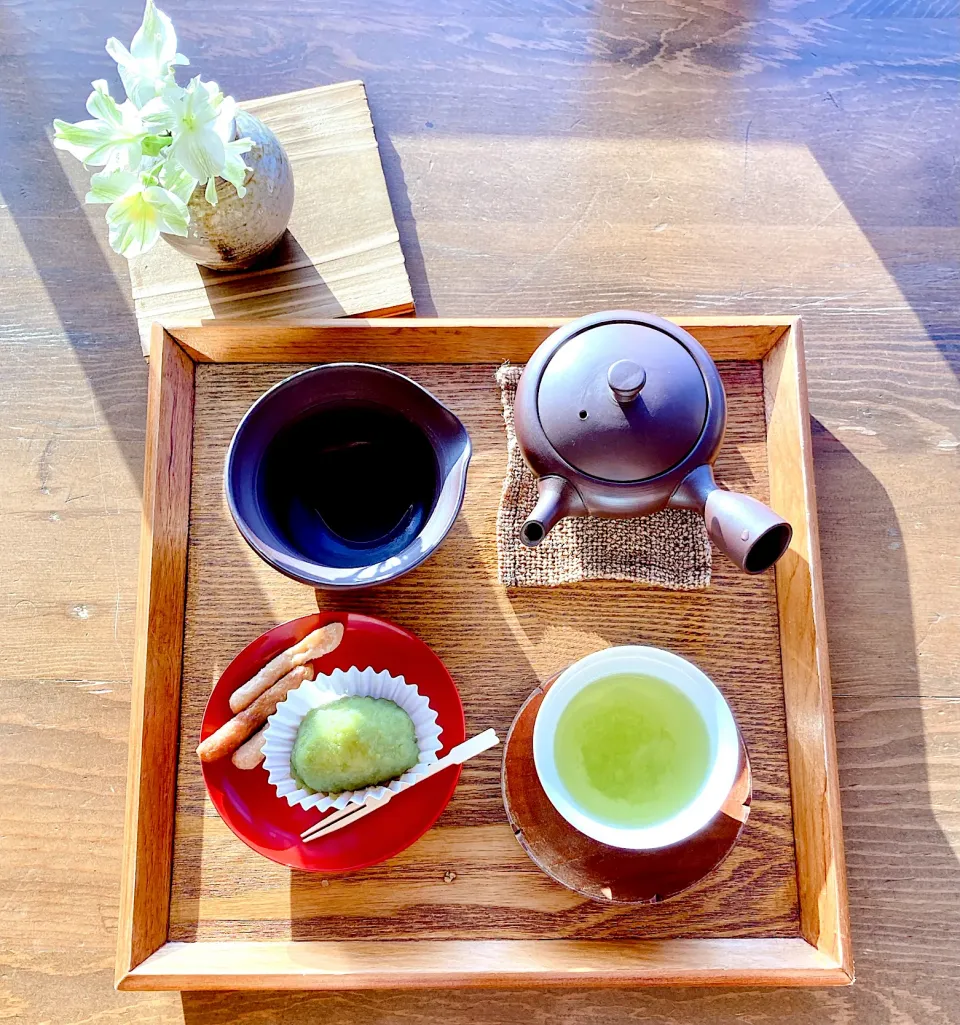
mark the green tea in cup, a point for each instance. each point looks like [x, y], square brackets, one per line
[635, 747]
[632, 750]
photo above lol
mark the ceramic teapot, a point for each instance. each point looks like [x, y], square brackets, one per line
[621, 414]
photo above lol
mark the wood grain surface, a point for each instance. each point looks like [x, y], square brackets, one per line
[811, 735]
[468, 878]
[436, 339]
[157, 654]
[461, 964]
[340, 256]
[543, 158]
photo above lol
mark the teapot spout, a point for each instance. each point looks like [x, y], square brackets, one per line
[752, 535]
[558, 498]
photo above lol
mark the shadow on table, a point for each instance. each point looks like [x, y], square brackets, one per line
[896, 850]
[406, 225]
[286, 282]
[80, 280]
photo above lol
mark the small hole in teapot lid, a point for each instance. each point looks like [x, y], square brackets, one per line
[648, 428]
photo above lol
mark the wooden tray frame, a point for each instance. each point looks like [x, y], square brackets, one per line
[821, 955]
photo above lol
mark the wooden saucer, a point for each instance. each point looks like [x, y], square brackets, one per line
[604, 873]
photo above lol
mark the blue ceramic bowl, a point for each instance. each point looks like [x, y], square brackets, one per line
[346, 475]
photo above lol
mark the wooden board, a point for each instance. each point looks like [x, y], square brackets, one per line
[341, 254]
[467, 882]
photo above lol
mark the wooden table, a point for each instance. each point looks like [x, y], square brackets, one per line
[544, 157]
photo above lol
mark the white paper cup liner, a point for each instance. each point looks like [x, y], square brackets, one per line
[282, 729]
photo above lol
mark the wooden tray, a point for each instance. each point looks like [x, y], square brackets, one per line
[465, 906]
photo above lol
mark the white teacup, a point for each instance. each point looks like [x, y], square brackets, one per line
[709, 702]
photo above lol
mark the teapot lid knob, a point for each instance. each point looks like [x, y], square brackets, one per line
[626, 378]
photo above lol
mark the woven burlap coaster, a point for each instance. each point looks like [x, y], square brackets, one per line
[668, 549]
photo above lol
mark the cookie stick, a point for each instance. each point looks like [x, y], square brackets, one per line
[315, 645]
[236, 730]
[250, 753]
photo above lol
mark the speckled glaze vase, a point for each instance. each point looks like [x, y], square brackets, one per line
[236, 232]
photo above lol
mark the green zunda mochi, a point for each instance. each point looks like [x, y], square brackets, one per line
[353, 742]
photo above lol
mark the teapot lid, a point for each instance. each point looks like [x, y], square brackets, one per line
[622, 401]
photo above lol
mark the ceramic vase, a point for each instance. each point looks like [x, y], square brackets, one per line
[237, 231]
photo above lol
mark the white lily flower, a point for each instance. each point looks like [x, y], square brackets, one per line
[138, 215]
[159, 144]
[228, 111]
[176, 180]
[146, 69]
[190, 115]
[109, 186]
[138, 211]
[234, 168]
[114, 136]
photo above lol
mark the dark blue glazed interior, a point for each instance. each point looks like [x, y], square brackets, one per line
[346, 475]
[347, 484]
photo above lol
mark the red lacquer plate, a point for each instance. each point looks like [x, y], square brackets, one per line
[263, 821]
